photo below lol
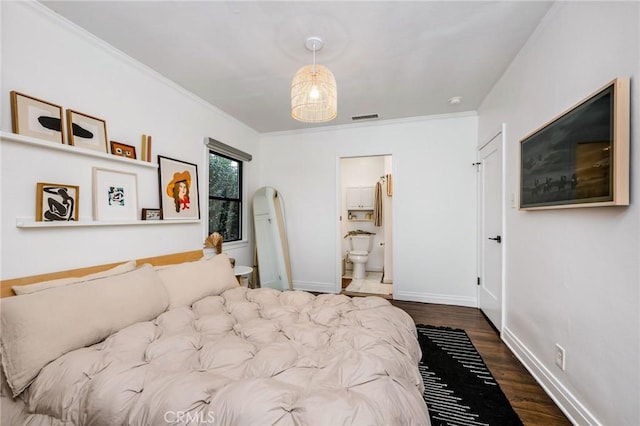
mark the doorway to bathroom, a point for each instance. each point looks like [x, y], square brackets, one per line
[366, 194]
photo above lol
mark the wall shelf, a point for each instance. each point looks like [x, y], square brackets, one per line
[70, 149]
[31, 223]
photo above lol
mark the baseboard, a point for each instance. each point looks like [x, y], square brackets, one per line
[575, 411]
[441, 299]
[373, 269]
[316, 287]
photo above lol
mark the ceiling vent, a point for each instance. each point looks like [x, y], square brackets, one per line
[365, 117]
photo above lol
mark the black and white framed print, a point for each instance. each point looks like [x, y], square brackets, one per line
[57, 202]
[36, 118]
[151, 214]
[87, 132]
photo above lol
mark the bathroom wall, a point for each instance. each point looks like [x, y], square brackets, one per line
[362, 172]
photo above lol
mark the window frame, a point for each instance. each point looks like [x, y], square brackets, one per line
[240, 198]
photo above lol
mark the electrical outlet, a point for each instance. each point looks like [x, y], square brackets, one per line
[560, 357]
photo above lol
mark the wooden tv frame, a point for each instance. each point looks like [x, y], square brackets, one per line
[619, 174]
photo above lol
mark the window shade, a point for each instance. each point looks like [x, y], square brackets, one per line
[227, 150]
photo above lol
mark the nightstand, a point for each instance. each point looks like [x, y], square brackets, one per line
[242, 273]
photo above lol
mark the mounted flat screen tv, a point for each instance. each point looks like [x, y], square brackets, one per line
[580, 158]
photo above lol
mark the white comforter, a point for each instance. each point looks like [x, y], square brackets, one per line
[247, 357]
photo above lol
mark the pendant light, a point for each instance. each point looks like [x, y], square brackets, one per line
[314, 97]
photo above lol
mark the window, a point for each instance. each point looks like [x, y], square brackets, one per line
[225, 196]
[225, 189]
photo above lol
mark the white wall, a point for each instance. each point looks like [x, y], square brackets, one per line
[434, 207]
[45, 56]
[573, 275]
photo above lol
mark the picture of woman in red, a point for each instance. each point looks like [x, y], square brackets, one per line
[178, 189]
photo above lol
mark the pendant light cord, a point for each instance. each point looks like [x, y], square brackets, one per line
[314, 58]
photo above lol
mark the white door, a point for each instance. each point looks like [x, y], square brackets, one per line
[353, 199]
[366, 197]
[490, 199]
[360, 198]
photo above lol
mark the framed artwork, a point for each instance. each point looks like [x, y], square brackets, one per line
[87, 132]
[36, 118]
[151, 214]
[580, 158]
[178, 189]
[115, 195]
[57, 202]
[123, 150]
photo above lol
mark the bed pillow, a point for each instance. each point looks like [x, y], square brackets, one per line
[38, 328]
[191, 281]
[44, 285]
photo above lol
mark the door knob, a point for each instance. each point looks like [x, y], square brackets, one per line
[497, 239]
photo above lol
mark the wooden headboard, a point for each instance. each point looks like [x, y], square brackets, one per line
[168, 259]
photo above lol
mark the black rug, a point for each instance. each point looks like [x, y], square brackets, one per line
[459, 389]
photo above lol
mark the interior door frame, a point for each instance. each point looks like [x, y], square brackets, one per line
[338, 198]
[500, 131]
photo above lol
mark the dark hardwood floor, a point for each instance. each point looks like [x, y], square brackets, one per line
[528, 399]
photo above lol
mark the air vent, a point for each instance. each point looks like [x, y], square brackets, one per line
[365, 117]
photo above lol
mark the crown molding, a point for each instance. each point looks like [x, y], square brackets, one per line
[77, 30]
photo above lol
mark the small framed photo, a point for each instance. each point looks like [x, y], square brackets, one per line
[36, 118]
[178, 189]
[115, 195]
[87, 132]
[123, 150]
[151, 214]
[57, 202]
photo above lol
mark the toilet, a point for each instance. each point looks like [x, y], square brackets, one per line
[359, 253]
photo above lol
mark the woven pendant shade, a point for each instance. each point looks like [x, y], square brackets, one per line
[314, 96]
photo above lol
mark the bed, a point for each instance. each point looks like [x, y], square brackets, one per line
[185, 344]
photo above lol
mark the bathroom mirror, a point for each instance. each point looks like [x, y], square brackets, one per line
[274, 267]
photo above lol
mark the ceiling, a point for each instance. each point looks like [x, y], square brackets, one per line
[394, 59]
